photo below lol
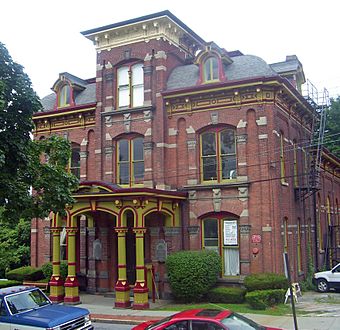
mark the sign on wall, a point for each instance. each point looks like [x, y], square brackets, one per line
[230, 232]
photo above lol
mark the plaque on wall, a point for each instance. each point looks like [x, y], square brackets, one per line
[97, 249]
[161, 251]
[230, 232]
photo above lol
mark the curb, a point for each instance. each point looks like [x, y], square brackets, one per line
[120, 319]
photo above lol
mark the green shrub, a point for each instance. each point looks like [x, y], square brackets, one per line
[47, 269]
[25, 273]
[226, 295]
[261, 299]
[192, 273]
[5, 284]
[265, 281]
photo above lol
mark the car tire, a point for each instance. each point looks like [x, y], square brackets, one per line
[322, 285]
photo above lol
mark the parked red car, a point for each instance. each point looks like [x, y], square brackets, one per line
[203, 319]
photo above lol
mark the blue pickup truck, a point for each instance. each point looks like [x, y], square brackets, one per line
[23, 307]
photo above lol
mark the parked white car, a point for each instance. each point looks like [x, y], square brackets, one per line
[329, 279]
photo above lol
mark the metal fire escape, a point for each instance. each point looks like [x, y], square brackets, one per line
[320, 103]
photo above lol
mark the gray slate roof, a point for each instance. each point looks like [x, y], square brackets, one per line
[88, 95]
[291, 64]
[243, 67]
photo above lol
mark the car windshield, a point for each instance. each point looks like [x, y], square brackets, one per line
[26, 300]
[238, 322]
[153, 325]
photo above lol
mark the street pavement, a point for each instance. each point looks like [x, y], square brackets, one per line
[321, 311]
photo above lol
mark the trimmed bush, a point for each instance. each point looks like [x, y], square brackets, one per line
[47, 269]
[6, 284]
[265, 281]
[261, 299]
[192, 273]
[26, 273]
[227, 295]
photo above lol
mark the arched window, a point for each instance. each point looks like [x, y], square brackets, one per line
[130, 161]
[64, 96]
[75, 160]
[221, 234]
[210, 69]
[130, 85]
[218, 155]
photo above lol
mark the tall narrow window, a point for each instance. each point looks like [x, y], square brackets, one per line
[75, 160]
[64, 96]
[337, 223]
[305, 167]
[319, 229]
[329, 233]
[296, 174]
[309, 232]
[123, 87]
[299, 251]
[285, 234]
[282, 159]
[218, 155]
[137, 82]
[130, 84]
[130, 161]
[210, 72]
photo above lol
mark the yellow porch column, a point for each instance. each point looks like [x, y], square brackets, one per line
[56, 283]
[140, 290]
[71, 283]
[122, 286]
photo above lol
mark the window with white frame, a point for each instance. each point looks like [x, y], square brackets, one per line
[130, 85]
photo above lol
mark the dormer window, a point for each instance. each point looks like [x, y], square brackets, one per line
[210, 67]
[64, 96]
[130, 85]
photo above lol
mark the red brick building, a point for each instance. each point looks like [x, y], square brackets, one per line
[181, 144]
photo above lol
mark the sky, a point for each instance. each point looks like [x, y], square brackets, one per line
[44, 36]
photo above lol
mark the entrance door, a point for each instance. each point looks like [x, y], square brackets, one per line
[221, 235]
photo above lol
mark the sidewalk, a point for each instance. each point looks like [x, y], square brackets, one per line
[323, 309]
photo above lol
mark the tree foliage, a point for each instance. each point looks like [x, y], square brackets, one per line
[22, 166]
[14, 244]
[332, 138]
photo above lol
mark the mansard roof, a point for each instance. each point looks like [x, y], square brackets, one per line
[242, 67]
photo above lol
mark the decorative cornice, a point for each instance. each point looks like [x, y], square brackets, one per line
[160, 26]
[64, 120]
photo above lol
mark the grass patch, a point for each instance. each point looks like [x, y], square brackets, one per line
[279, 310]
